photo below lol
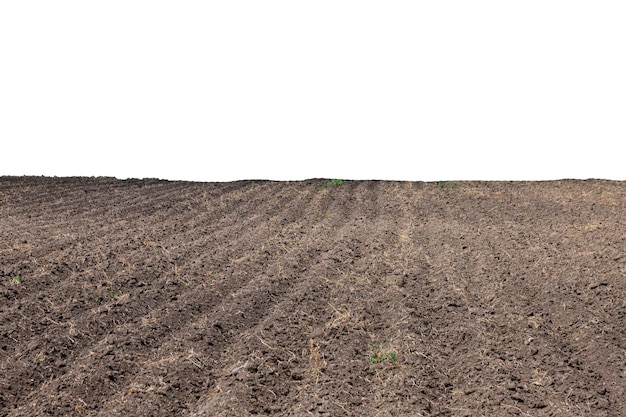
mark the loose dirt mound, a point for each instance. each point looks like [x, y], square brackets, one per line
[154, 298]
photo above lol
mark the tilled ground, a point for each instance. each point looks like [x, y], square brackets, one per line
[155, 298]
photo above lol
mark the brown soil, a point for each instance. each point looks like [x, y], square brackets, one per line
[155, 298]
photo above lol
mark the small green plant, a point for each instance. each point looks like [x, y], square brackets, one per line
[599, 191]
[323, 216]
[380, 356]
[521, 217]
[335, 182]
[444, 184]
[111, 293]
[18, 279]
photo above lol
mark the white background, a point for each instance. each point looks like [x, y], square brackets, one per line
[296, 89]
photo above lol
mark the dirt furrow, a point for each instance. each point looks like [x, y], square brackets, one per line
[317, 297]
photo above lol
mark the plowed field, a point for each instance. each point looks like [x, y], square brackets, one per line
[366, 298]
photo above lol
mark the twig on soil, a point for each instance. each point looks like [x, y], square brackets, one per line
[343, 408]
[50, 320]
[196, 362]
[314, 359]
[239, 368]
[265, 343]
[261, 385]
[340, 319]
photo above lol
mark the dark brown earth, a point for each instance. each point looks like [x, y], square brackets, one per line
[155, 298]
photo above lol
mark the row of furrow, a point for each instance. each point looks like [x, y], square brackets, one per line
[234, 227]
[56, 216]
[212, 332]
[484, 301]
[130, 203]
[131, 237]
[99, 262]
[319, 314]
[137, 215]
[341, 208]
[127, 244]
[45, 259]
[86, 325]
[46, 357]
[427, 305]
[58, 225]
[408, 257]
[25, 196]
[67, 288]
[242, 313]
[165, 324]
[159, 200]
[172, 239]
[243, 226]
[187, 331]
[306, 270]
[176, 222]
[110, 202]
[53, 196]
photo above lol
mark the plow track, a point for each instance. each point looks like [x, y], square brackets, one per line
[258, 298]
